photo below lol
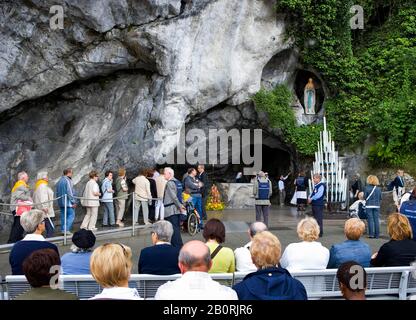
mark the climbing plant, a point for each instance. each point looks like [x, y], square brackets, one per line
[370, 73]
[277, 104]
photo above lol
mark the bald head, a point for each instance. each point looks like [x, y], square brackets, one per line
[256, 227]
[195, 256]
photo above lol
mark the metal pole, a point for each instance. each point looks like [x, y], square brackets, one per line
[65, 212]
[133, 224]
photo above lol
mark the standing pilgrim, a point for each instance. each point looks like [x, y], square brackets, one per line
[262, 191]
[317, 199]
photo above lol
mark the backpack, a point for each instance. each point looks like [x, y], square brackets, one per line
[264, 189]
[179, 190]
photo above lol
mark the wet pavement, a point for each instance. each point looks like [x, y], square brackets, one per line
[282, 223]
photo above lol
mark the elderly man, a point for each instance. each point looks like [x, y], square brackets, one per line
[172, 200]
[243, 260]
[43, 197]
[262, 191]
[317, 199]
[65, 187]
[20, 192]
[33, 222]
[162, 257]
[195, 283]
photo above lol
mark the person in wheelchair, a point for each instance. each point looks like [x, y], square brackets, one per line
[357, 209]
[190, 208]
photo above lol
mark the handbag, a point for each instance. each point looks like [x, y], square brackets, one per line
[23, 206]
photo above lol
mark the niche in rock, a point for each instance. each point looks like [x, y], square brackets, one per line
[302, 78]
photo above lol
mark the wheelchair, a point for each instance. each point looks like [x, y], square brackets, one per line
[190, 223]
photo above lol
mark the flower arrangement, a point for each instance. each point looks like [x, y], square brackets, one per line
[214, 202]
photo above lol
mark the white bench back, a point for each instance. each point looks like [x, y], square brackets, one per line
[396, 281]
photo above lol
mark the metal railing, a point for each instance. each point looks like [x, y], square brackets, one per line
[65, 196]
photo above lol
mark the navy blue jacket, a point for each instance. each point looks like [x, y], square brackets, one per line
[321, 200]
[160, 259]
[408, 208]
[270, 284]
[22, 249]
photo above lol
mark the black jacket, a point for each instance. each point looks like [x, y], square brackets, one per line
[395, 254]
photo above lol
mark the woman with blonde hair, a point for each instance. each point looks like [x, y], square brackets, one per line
[269, 282]
[352, 249]
[110, 266]
[372, 197]
[401, 249]
[307, 254]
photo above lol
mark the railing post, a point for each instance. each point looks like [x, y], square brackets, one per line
[404, 279]
[133, 224]
[65, 212]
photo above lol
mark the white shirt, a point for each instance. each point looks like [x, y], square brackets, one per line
[33, 237]
[195, 285]
[281, 185]
[243, 262]
[118, 293]
[305, 255]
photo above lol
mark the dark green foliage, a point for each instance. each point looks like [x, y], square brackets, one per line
[370, 73]
[277, 104]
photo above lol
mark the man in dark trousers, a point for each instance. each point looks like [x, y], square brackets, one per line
[203, 177]
[172, 200]
[317, 200]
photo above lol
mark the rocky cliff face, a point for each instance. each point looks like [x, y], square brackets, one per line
[94, 94]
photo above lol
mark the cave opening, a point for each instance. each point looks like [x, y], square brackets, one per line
[302, 78]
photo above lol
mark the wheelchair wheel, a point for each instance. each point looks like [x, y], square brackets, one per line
[192, 224]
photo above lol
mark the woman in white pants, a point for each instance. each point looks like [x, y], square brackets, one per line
[160, 186]
[91, 202]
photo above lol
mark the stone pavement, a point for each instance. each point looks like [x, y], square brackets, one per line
[282, 223]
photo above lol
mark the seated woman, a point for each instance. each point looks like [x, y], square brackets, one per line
[39, 270]
[308, 254]
[223, 260]
[401, 249]
[111, 268]
[352, 249]
[78, 261]
[269, 282]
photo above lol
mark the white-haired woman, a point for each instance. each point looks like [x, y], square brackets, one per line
[308, 254]
[33, 222]
[43, 197]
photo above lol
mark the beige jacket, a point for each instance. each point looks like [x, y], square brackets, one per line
[142, 188]
[160, 186]
[42, 194]
[91, 188]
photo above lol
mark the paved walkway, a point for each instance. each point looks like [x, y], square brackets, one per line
[282, 223]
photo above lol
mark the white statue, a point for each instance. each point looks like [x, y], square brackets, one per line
[309, 97]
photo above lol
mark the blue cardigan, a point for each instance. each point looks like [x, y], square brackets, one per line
[270, 284]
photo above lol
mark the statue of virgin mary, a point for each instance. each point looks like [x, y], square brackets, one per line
[309, 97]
